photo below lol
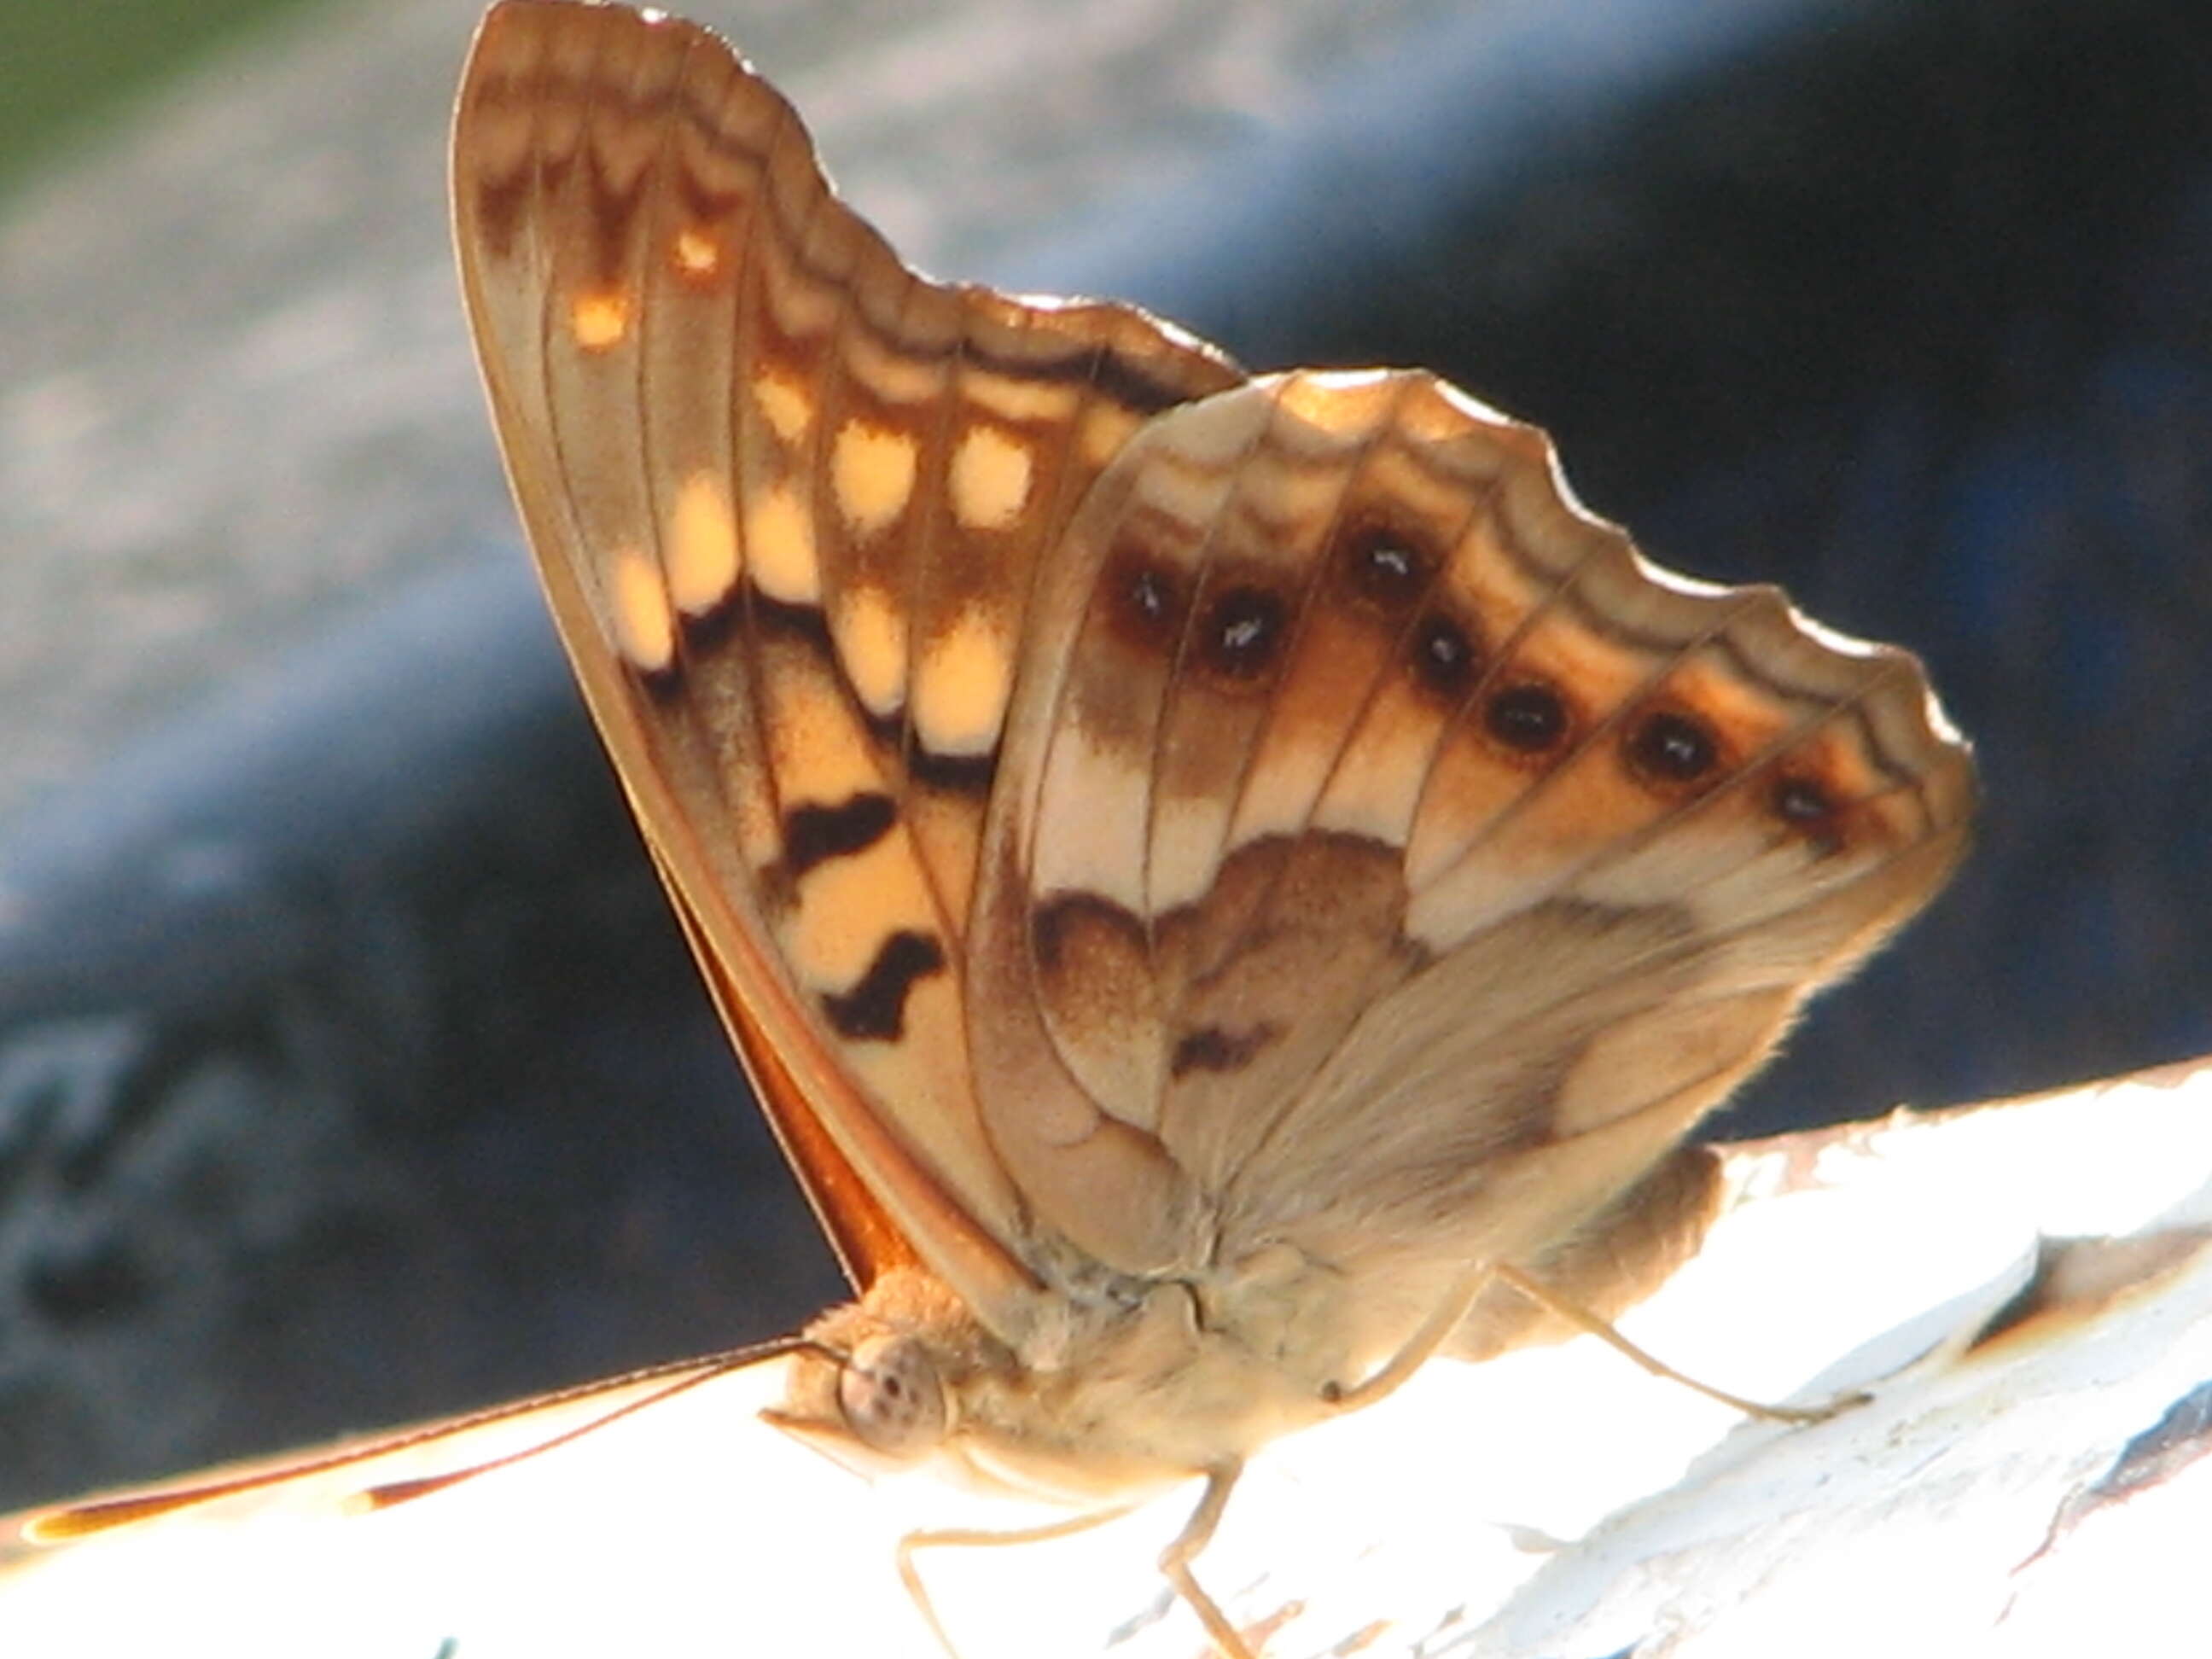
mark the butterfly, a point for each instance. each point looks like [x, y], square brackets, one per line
[1226, 886]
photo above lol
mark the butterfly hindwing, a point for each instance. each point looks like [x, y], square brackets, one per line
[1389, 863]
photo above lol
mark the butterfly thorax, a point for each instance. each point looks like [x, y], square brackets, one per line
[1124, 1398]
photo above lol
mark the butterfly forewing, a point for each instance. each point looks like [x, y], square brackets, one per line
[788, 498]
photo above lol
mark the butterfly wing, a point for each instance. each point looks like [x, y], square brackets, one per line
[788, 498]
[1389, 863]
[1132, 818]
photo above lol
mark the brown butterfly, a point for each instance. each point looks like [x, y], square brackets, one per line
[1226, 886]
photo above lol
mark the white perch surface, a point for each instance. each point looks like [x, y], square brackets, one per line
[2036, 1492]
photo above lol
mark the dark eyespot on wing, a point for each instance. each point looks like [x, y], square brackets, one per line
[1385, 567]
[1529, 718]
[1445, 659]
[1241, 635]
[1669, 749]
[1146, 597]
[874, 1010]
[1809, 810]
[1800, 801]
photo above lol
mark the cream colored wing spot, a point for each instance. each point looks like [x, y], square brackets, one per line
[1033, 403]
[849, 906]
[1097, 794]
[889, 374]
[803, 283]
[786, 404]
[702, 545]
[695, 254]
[644, 625]
[992, 475]
[780, 545]
[962, 685]
[599, 318]
[871, 636]
[871, 472]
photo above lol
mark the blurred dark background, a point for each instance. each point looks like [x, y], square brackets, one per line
[349, 1068]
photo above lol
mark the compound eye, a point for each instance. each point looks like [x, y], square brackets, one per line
[892, 1397]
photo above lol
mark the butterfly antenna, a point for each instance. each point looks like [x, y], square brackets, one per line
[105, 1514]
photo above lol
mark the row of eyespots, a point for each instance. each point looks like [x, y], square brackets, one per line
[1239, 637]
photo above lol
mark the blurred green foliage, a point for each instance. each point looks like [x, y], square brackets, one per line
[69, 67]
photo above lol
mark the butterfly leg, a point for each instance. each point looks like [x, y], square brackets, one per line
[973, 1538]
[1575, 1314]
[1176, 1560]
[1196, 1535]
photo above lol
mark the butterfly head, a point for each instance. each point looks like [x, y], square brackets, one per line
[875, 1384]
